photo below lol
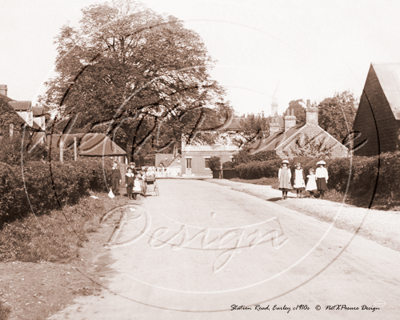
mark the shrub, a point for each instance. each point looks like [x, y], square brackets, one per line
[215, 163]
[228, 165]
[365, 178]
[39, 187]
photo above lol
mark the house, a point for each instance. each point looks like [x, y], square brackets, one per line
[11, 121]
[88, 145]
[168, 164]
[196, 158]
[291, 140]
[377, 122]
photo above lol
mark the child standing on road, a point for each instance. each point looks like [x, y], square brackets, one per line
[322, 178]
[136, 187]
[284, 176]
[311, 182]
[299, 184]
[129, 180]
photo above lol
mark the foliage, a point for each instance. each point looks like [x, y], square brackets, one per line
[55, 237]
[254, 126]
[12, 149]
[243, 156]
[40, 187]
[215, 163]
[336, 114]
[368, 179]
[134, 74]
[228, 165]
[298, 109]
[306, 146]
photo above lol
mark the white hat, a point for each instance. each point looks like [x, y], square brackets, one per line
[285, 161]
[321, 162]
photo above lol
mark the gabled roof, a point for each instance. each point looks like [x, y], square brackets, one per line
[21, 105]
[38, 111]
[234, 125]
[389, 79]
[274, 140]
[5, 98]
[90, 144]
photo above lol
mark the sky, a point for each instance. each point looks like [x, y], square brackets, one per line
[284, 49]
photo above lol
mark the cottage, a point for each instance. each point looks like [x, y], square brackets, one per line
[377, 122]
[196, 158]
[168, 164]
[14, 115]
[291, 140]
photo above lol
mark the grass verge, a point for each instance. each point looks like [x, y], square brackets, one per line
[38, 255]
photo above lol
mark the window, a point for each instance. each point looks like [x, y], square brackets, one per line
[189, 163]
[207, 162]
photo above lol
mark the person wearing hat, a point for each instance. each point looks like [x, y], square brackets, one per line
[284, 176]
[132, 166]
[129, 180]
[115, 179]
[322, 178]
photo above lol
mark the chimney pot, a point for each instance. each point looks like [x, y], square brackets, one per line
[3, 89]
[311, 114]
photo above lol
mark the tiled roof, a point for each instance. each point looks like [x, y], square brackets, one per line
[21, 105]
[37, 111]
[389, 79]
[274, 140]
[91, 144]
[5, 98]
[234, 125]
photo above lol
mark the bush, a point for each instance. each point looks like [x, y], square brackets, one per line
[40, 187]
[228, 165]
[215, 163]
[365, 178]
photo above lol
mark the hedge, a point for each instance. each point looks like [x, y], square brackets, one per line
[40, 187]
[358, 176]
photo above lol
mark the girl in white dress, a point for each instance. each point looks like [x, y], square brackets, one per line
[311, 182]
[299, 184]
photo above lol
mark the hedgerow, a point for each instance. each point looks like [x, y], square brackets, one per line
[40, 187]
[362, 177]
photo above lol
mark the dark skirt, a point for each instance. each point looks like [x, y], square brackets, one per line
[321, 184]
[129, 188]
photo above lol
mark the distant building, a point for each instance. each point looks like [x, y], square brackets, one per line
[14, 115]
[377, 122]
[196, 158]
[289, 138]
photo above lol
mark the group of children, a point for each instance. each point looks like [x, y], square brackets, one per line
[316, 180]
[134, 181]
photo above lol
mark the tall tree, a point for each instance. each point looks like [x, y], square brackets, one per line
[134, 74]
[299, 110]
[254, 126]
[336, 114]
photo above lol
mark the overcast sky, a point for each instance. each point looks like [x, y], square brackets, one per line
[311, 48]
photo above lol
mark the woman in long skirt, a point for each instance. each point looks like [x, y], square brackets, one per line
[322, 178]
[115, 179]
[284, 176]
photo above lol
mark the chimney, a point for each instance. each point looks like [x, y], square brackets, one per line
[289, 120]
[274, 126]
[274, 107]
[3, 89]
[311, 114]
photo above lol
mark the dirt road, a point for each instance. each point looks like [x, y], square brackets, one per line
[199, 249]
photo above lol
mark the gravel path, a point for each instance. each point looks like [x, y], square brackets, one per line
[380, 226]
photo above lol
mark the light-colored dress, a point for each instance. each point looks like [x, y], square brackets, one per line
[311, 183]
[284, 176]
[299, 179]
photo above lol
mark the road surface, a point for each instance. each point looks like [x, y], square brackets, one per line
[200, 249]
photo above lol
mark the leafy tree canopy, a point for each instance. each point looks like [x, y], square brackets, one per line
[137, 75]
[298, 109]
[336, 114]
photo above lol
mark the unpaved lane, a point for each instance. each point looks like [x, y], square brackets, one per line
[192, 253]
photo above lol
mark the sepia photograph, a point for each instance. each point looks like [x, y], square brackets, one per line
[199, 159]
